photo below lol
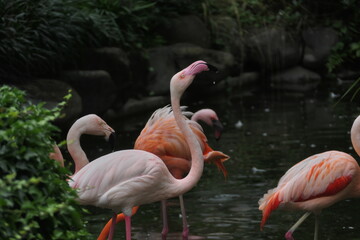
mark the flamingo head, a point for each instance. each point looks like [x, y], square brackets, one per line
[209, 117]
[218, 128]
[94, 125]
[182, 80]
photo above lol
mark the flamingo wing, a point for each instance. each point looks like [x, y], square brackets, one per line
[320, 175]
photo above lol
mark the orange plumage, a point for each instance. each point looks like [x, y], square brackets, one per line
[162, 137]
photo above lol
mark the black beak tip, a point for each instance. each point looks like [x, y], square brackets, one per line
[212, 68]
[112, 140]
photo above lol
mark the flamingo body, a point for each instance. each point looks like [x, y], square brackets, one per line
[315, 183]
[98, 183]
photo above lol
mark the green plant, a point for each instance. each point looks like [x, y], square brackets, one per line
[37, 37]
[35, 199]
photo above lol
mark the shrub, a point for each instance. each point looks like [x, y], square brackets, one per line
[36, 37]
[35, 199]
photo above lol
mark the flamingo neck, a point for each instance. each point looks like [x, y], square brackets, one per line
[355, 140]
[197, 161]
[74, 148]
[356, 192]
[199, 116]
[355, 135]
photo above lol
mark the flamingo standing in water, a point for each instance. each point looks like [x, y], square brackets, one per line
[128, 178]
[316, 183]
[162, 137]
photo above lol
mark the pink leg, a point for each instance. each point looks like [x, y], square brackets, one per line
[128, 227]
[289, 233]
[289, 236]
[112, 228]
[165, 229]
[185, 233]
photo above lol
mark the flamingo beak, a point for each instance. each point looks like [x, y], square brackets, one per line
[212, 68]
[112, 140]
[218, 127]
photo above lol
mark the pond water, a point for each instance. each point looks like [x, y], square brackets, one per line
[276, 132]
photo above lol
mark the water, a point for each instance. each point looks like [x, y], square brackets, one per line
[276, 132]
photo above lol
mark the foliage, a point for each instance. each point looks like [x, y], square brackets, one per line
[35, 199]
[295, 16]
[133, 19]
[345, 18]
[37, 36]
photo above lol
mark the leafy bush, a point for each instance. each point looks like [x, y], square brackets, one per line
[36, 37]
[35, 199]
[343, 16]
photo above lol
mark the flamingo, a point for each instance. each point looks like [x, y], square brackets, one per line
[162, 137]
[315, 183]
[57, 155]
[128, 178]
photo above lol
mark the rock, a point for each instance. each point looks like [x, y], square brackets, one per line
[52, 92]
[318, 44]
[240, 85]
[96, 89]
[110, 59]
[296, 79]
[166, 61]
[273, 49]
[147, 104]
[163, 67]
[226, 32]
[187, 29]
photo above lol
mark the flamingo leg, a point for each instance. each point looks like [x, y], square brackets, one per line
[165, 229]
[185, 233]
[128, 227]
[112, 228]
[316, 233]
[289, 233]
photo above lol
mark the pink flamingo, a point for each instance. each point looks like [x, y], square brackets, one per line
[128, 178]
[162, 137]
[316, 183]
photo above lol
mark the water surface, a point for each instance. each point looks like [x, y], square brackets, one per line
[276, 132]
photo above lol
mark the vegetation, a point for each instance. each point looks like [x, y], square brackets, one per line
[38, 37]
[343, 16]
[35, 199]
